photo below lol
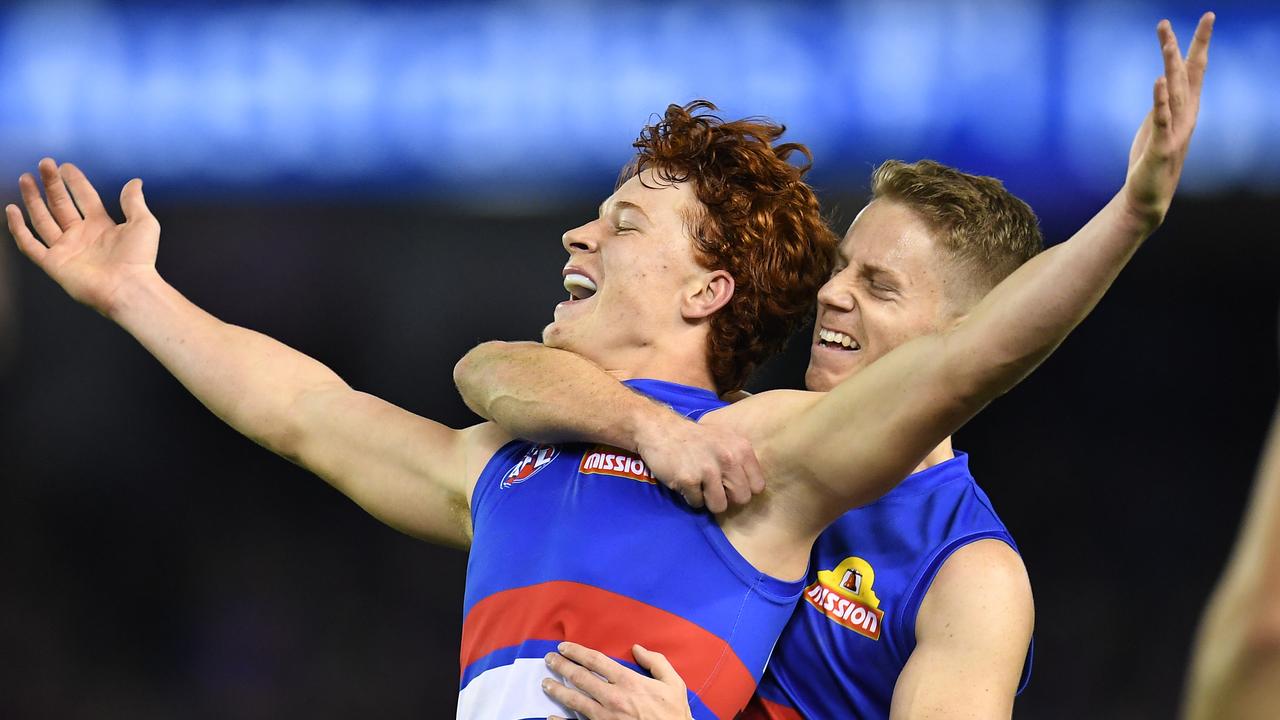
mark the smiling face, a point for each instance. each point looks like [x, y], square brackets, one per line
[635, 288]
[888, 286]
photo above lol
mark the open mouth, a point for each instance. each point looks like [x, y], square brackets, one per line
[580, 286]
[837, 340]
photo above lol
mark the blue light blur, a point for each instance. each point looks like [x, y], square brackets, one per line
[540, 101]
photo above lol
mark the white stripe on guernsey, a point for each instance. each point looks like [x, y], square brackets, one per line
[510, 691]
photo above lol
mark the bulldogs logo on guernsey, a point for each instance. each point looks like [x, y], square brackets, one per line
[845, 596]
[538, 457]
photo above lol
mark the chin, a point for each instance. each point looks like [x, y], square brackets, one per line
[558, 335]
[551, 336]
[817, 380]
[824, 379]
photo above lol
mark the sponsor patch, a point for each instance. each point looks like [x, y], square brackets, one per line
[605, 460]
[845, 596]
[537, 457]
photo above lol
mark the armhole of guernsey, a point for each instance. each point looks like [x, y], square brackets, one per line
[775, 589]
[484, 487]
[906, 620]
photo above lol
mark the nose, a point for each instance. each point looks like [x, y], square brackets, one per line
[835, 294]
[578, 239]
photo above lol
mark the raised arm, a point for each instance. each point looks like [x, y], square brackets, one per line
[854, 443]
[1235, 666]
[409, 472]
[551, 395]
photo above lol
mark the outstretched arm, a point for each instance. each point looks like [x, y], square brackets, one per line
[549, 395]
[854, 443]
[1235, 666]
[408, 471]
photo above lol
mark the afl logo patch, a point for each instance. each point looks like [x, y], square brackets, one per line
[536, 458]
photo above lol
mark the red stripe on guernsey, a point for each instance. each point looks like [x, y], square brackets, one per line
[761, 709]
[610, 623]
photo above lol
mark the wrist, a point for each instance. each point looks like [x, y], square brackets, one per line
[1142, 215]
[133, 296]
[648, 424]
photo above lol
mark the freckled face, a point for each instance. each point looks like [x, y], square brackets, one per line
[626, 273]
[888, 287]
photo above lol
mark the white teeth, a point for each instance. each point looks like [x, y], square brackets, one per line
[579, 286]
[838, 338]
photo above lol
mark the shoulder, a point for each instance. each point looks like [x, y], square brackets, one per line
[972, 637]
[762, 412]
[476, 446]
[981, 591]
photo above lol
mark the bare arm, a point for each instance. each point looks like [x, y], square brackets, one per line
[854, 443]
[1235, 665]
[972, 634]
[408, 471]
[550, 395]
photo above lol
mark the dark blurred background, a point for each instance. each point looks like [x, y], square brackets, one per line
[384, 185]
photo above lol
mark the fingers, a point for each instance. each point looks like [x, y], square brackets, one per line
[657, 664]
[733, 454]
[1175, 71]
[573, 699]
[755, 473]
[1198, 55]
[44, 223]
[61, 206]
[595, 661]
[1161, 112]
[27, 243]
[713, 493]
[692, 495]
[736, 485]
[81, 190]
[134, 204]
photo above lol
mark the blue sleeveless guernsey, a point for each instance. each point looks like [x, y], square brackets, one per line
[851, 635]
[578, 542]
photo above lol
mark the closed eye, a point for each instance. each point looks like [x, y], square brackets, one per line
[881, 290]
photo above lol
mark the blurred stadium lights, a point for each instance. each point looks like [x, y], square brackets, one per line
[543, 99]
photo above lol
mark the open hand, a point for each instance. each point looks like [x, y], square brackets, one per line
[80, 246]
[604, 689]
[1160, 147]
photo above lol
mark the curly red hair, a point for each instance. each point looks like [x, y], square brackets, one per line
[758, 220]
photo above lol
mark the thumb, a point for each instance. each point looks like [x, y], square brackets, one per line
[657, 665]
[133, 203]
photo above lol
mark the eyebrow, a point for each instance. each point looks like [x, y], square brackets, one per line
[625, 205]
[873, 270]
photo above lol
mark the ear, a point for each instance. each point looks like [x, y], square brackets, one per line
[714, 291]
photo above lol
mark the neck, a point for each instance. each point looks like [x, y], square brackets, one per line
[685, 364]
[937, 456]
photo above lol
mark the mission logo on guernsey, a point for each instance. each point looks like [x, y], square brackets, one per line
[845, 596]
[606, 460]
